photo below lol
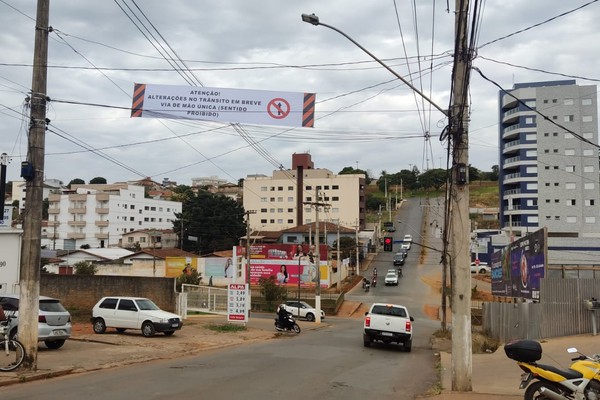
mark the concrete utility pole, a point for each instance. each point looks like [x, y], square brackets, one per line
[462, 366]
[248, 245]
[32, 222]
[317, 203]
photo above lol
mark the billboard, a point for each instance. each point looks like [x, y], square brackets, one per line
[175, 266]
[518, 268]
[260, 107]
[288, 263]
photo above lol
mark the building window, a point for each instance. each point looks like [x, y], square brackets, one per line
[290, 199]
[280, 221]
[272, 188]
[555, 183]
[547, 184]
[290, 188]
[263, 221]
[545, 101]
[556, 167]
[280, 199]
[546, 134]
[129, 239]
[571, 220]
[529, 120]
[308, 187]
[554, 117]
[568, 102]
[272, 199]
[586, 102]
[588, 152]
[335, 198]
[570, 168]
[272, 221]
[546, 151]
[272, 210]
[556, 201]
[307, 209]
[590, 220]
[588, 186]
[142, 239]
[557, 217]
[588, 168]
[290, 210]
[131, 218]
[587, 118]
[548, 217]
[571, 202]
[263, 199]
[335, 187]
[335, 210]
[569, 135]
[308, 198]
[570, 185]
[589, 202]
[569, 152]
[554, 101]
[547, 167]
[263, 188]
[263, 210]
[290, 221]
[326, 187]
[555, 151]
[280, 210]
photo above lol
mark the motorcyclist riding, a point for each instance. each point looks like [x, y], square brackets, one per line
[282, 313]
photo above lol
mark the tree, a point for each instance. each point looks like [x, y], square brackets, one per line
[272, 291]
[98, 180]
[76, 181]
[373, 203]
[434, 178]
[474, 174]
[85, 268]
[189, 277]
[354, 171]
[493, 176]
[347, 247]
[216, 221]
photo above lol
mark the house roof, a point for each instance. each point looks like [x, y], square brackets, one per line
[163, 253]
[331, 227]
[110, 253]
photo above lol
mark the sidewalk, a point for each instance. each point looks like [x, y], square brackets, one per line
[495, 376]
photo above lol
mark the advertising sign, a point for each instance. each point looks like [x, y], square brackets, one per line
[260, 107]
[237, 302]
[175, 266]
[283, 251]
[518, 268]
[288, 272]
[6, 220]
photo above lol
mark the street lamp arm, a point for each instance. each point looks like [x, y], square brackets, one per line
[314, 20]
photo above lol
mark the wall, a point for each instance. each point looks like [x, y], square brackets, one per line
[81, 292]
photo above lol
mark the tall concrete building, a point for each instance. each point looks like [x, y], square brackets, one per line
[283, 200]
[548, 167]
[98, 215]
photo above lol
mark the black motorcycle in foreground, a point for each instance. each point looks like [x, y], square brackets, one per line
[289, 325]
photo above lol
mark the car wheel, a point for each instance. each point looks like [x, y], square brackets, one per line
[54, 344]
[366, 341]
[121, 330]
[310, 317]
[148, 329]
[482, 271]
[99, 326]
[408, 346]
[169, 333]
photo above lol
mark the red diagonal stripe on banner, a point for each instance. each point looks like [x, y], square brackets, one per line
[308, 110]
[137, 105]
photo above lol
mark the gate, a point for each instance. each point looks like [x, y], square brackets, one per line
[205, 298]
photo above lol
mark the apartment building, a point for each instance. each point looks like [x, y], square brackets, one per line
[287, 199]
[99, 215]
[19, 190]
[549, 164]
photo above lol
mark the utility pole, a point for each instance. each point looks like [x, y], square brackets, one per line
[317, 257]
[462, 366]
[357, 254]
[32, 222]
[248, 245]
[337, 259]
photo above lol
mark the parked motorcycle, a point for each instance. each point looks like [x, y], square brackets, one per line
[580, 382]
[290, 325]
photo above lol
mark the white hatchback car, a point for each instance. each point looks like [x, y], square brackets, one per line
[482, 268]
[125, 313]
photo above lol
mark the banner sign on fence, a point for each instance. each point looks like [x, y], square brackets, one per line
[259, 107]
[518, 268]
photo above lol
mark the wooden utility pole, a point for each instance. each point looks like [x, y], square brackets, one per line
[34, 175]
[462, 367]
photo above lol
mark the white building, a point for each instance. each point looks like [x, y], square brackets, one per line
[548, 170]
[98, 215]
[282, 201]
[19, 190]
[10, 259]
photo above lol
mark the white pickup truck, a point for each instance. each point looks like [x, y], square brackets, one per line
[388, 323]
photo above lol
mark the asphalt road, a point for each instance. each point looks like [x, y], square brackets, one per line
[329, 362]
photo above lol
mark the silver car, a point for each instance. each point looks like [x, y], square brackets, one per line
[54, 321]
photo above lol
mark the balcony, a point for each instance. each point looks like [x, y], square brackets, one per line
[101, 236]
[102, 210]
[102, 224]
[78, 197]
[76, 223]
[53, 210]
[53, 224]
[77, 210]
[53, 198]
[102, 196]
[75, 235]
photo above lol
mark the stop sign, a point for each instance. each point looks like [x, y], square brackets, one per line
[477, 262]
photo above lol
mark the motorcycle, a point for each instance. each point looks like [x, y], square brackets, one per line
[290, 325]
[367, 286]
[580, 382]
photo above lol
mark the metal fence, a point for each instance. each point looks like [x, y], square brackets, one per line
[561, 312]
[205, 298]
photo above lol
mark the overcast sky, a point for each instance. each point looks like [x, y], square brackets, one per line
[364, 117]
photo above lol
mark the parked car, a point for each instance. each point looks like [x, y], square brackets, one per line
[125, 313]
[398, 259]
[482, 268]
[302, 309]
[407, 242]
[391, 229]
[391, 278]
[54, 321]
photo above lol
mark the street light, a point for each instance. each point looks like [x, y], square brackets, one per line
[313, 19]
